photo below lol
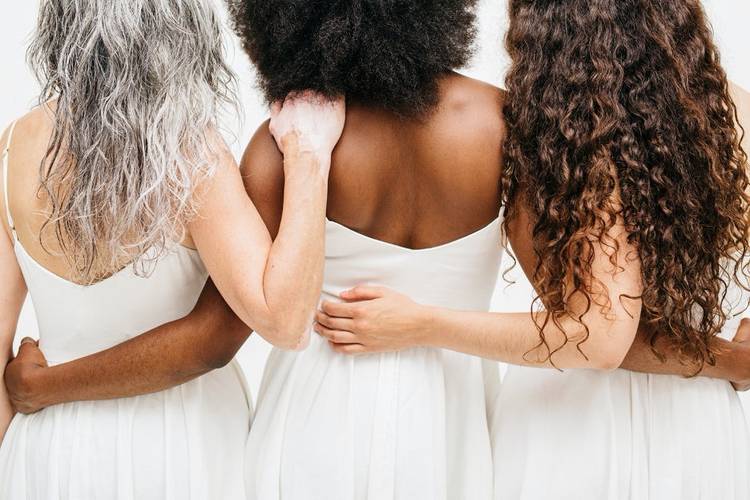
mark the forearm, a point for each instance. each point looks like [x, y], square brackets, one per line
[732, 359]
[294, 271]
[164, 357]
[514, 338]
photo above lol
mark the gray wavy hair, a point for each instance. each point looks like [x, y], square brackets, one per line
[140, 85]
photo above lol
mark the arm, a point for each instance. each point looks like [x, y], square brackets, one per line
[274, 285]
[12, 295]
[732, 358]
[389, 310]
[164, 357]
[376, 319]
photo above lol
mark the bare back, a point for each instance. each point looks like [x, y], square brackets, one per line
[412, 184]
[29, 204]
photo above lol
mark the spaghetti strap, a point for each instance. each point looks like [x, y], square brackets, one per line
[5, 182]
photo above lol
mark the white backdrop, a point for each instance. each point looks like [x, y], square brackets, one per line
[18, 90]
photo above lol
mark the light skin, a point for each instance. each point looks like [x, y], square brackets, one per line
[375, 319]
[414, 184]
[272, 286]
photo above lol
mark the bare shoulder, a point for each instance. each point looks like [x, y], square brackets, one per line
[470, 116]
[741, 98]
[30, 129]
[262, 168]
[27, 148]
[468, 128]
[739, 94]
[470, 99]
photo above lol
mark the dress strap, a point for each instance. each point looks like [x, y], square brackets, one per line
[5, 182]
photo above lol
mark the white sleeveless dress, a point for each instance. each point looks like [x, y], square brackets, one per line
[183, 443]
[404, 425]
[618, 435]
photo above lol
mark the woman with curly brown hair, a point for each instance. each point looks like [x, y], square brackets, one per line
[622, 100]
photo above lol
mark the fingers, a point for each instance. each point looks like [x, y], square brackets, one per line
[349, 348]
[336, 336]
[338, 309]
[363, 293]
[29, 352]
[28, 343]
[333, 322]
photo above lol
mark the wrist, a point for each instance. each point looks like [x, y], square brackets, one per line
[739, 367]
[34, 385]
[425, 332]
[306, 163]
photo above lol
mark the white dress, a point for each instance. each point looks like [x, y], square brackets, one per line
[183, 443]
[587, 434]
[405, 425]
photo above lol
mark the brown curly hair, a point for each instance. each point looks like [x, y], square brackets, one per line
[620, 108]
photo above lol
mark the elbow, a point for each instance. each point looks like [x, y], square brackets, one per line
[223, 346]
[284, 328]
[289, 335]
[608, 362]
[614, 346]
[219, 360]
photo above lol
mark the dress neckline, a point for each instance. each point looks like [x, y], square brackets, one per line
[44, 270]
[448, 244]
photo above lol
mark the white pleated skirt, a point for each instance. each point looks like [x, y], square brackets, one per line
[586, 434]
[184, 443]
[406, 425]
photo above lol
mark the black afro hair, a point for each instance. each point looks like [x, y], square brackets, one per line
[387, 54]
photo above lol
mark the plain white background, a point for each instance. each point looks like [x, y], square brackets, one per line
[18, 89]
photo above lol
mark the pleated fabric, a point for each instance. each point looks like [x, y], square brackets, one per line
[403, 425]
[183, 443]
[586, 434]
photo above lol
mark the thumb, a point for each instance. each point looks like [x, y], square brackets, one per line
[743, 331]
[363, 293]
[30, 352]
[28, 341]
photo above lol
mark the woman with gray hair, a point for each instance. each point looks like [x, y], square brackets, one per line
[135, 200]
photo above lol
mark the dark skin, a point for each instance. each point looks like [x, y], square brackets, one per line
[169, 355]
[395, 179]
[416, 184]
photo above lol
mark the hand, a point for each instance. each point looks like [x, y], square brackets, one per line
[20, 373]
[742, 336]
[373, 319]
[307, 122]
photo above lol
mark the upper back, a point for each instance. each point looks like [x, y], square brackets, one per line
[413, 183]
[29, 206]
